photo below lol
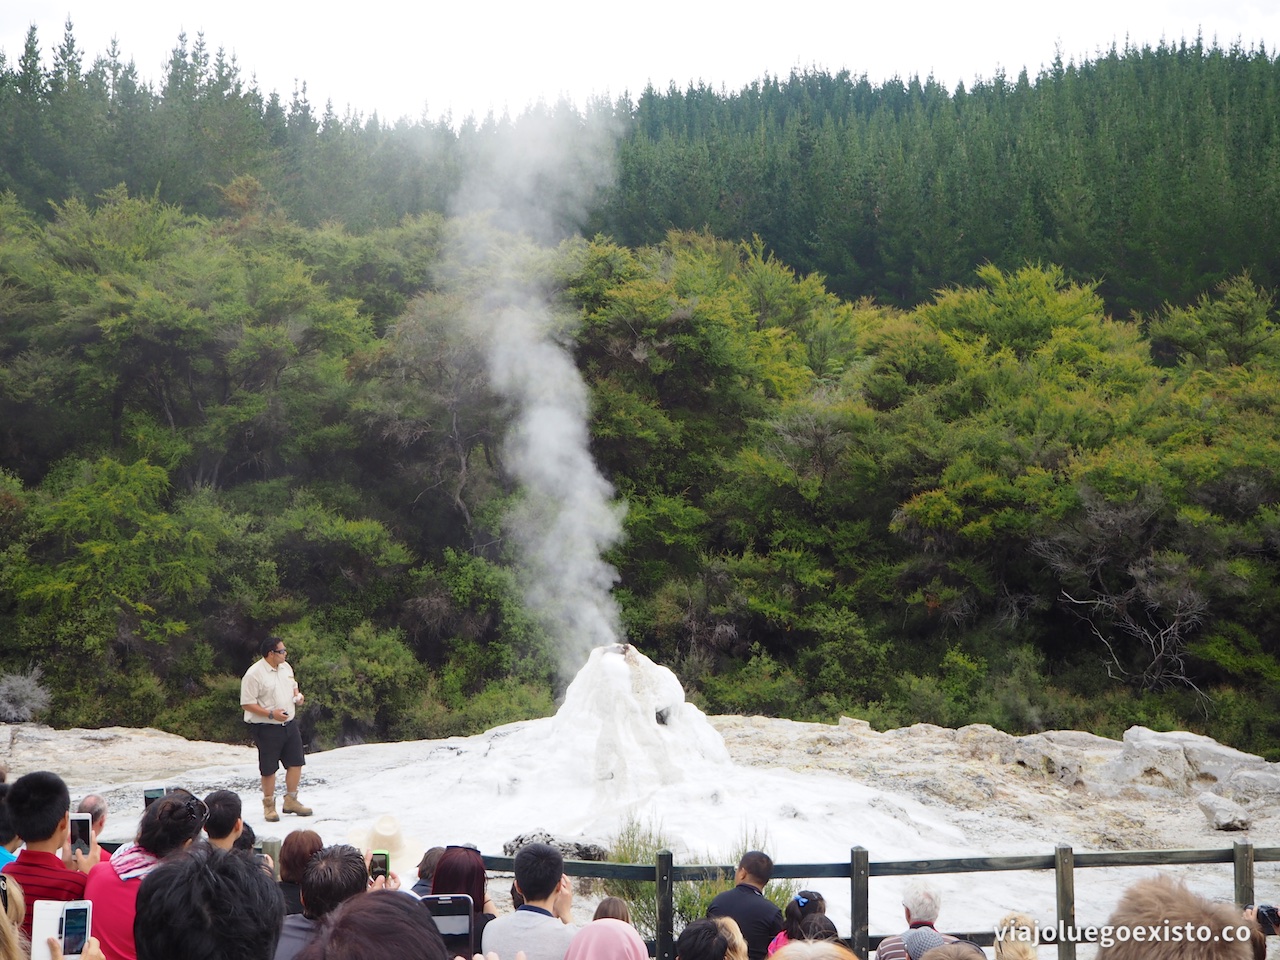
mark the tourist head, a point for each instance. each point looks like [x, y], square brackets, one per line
[755, 868]
[1164, 902]
[461, 870]
[607, 939]
[376, 925]
[922, 902]
[14, 903]
[96, 807]
[171, 823]
[702, 940]
[39, 806]
[247, 839]
[427, 865]
[818, 926]
[208, 904]
[332, 875]
[814, 950]
[962, 950]
[296, 852]
[224, 815]
[1016, 936]
[613, 908]
[803, 904]
[538, 869]
[7, 834]
[737, 949]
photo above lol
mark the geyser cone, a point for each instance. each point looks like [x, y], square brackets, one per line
[630, 725]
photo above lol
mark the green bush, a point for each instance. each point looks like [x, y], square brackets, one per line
[762, 685]
[640, 843]
[436, 714]
[357, 685]
[211, 714]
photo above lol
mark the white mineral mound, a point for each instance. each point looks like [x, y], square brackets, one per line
[626, 745]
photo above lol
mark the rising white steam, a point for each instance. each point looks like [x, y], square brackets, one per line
[539, 183]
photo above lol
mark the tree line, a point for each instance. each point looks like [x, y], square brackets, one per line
[1150, 170]
[1012, 499]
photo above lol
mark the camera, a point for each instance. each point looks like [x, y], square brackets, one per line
[1268, 918]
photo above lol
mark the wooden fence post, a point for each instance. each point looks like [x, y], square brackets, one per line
[1242, 860]
[859, 901]
[665, 945]
[1064, 861]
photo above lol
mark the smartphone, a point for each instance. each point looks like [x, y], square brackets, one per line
[151, 795]
[81, 832]
[68, 922]
[379, 864]
[453, 913]
[74, 934]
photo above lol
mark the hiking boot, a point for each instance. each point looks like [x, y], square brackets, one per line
[269, 809]
[291, 805]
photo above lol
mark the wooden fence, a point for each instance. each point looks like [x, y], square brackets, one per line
[1064, 862]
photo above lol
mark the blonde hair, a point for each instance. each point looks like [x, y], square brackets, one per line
[733, 933]
[13, 945]
[814, 950]
[1016, 936]
[1163, 900]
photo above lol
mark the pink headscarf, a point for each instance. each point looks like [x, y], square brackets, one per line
[607, 939]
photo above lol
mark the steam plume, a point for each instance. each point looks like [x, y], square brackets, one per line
[539, 182]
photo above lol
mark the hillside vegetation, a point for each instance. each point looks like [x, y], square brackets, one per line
[923, 405]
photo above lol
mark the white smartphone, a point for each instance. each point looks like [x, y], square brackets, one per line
[70, 922]
[81, 832]
[76, 917]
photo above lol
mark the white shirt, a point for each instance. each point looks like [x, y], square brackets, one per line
[269, 687]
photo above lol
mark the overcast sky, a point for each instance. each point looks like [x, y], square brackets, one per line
[428, 58]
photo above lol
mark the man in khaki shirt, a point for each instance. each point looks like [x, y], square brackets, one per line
[269, 696]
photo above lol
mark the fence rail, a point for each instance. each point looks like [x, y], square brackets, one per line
[1064, 862]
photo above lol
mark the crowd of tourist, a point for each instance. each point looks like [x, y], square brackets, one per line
[190, 885]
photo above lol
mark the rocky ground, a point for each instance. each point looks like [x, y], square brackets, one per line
[1093, 793]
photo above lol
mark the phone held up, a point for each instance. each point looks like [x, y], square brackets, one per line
[81, 832]
[452, 914]
[379, 864]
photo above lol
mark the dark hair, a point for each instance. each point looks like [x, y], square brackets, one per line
[37, 803]
[538, 868]
[7, 832]
[245, 842]
[332, 875]
[517, 898]
[376, 925]
[804, 904]
[296, 852]
[700, 940]
[817, 926]
[461, 870]
[758, 865]
[269, 644]
[170, 823]
[224, 811]
[208, 904]
[613, 908]
[427, 865]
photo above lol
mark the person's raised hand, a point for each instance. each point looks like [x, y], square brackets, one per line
[92, 949]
